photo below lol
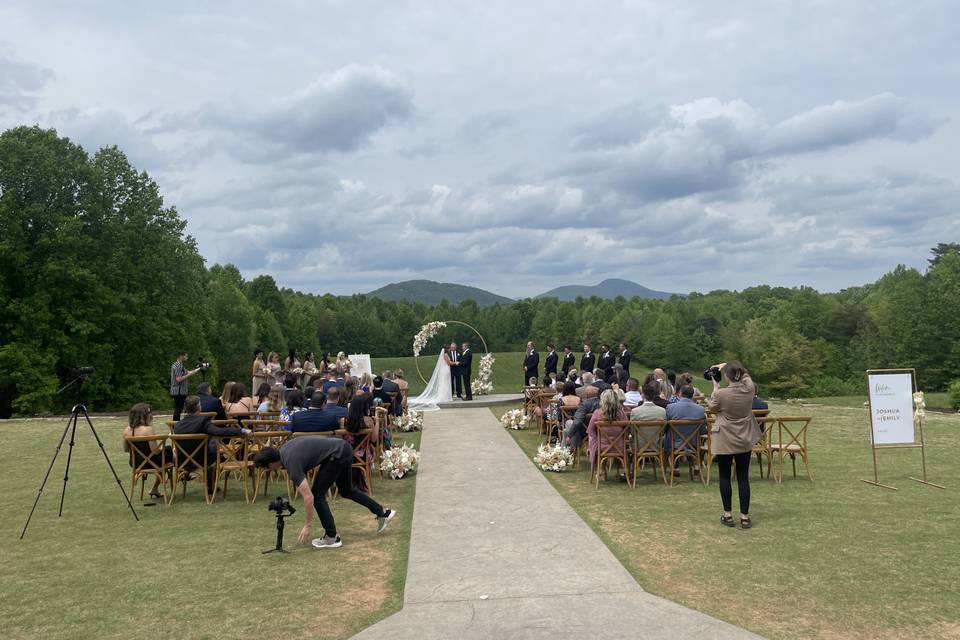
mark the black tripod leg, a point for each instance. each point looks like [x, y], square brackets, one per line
[46, 477]
[66, 471]
[109, 464]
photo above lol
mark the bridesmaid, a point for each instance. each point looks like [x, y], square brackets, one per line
[292, 363]
[275, 371]
[259, 370]
[325, 363]
[310, 370]
[343, 364]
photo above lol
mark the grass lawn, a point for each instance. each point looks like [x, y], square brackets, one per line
[187, 570]
[833, 558]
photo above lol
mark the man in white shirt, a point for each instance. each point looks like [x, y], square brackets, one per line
[633, 397]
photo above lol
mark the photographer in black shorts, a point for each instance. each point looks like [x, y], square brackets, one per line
[334, 457]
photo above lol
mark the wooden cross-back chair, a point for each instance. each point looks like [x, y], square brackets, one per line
[364, 453]
[763, 447]
[384, 423]
[792, 440]
[190, 452]
[233, 458]
[394, 403]
[529, 399]
[684, 442]
[262, 424]
[567, 413]
[208, 414]
[257, 441]
[144, 464]
[706, 457]
[647, 443]
[268, 415]
[616, 433]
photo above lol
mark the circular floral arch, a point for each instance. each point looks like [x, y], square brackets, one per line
[481, 385]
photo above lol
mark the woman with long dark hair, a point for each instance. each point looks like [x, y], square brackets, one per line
[733, 435]
[240, 402]
[359, 418]
[139, 423]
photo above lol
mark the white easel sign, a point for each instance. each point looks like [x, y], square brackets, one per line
[361, 364]
[891, 408]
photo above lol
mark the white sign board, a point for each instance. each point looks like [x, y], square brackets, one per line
[891, 407]
[361, 364]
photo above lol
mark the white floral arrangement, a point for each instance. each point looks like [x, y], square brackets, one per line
[553, 458]
[398, 461]
[515, 419]
[427, 331]
[919, 406]
[412, 421]
[481, 385]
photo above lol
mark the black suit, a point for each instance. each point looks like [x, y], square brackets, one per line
[550, 364]
[624, 361]
[606, 364]
[569, 362]
[466, 364]
[390, 386]
[531, 363]
[210, 403]
[195, 423]
[587, 362]
[455, 382]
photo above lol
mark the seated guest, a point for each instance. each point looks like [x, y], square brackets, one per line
[401, 382]
[664, 393]
[532, 382]
[321, 416]
[347, 392]
[359, 418]
[390, 386]
[308, 396]
[273, 402]
[568, 395]
[240, 402]
[290, 382]
[598, 380]
[758, 404]
[139, 423]
[576, 428]
[365, 382]
[687, 378]
[586, 381]
[225, 393]
[574, 376]
[261, 396]
[685, 409]
[379, 393]
[209, 403]
[608, 411]
[619, 377]
[294, 404]
[632, 397]
[331, 381]
[649, 410]
[195, 423]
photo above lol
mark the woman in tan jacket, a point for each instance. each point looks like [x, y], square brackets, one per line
[734, 433]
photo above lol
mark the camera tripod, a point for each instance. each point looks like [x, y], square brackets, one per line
[280, 524]
[78, 409]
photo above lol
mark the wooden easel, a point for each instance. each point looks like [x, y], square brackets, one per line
[919, 428]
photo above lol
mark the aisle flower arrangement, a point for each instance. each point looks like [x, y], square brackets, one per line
[919, 406]
[514, 419]
[481, 385]
[553, 458]
[398, 461]
[427, 331]
[412, 421]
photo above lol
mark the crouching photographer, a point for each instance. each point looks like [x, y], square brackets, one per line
[334, 457]
[733, 434]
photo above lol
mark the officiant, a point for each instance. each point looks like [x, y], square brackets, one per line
[453, 356]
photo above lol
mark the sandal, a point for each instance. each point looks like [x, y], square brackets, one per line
[727, 521]
[745, 522]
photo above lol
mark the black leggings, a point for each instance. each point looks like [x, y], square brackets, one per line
[338, 471]
[724, 461]
[178, 402]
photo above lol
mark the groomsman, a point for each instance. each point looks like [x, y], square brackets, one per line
[569, 360]
[624, 359]
[550, 364]
[588, 359]
[606, 361]
[531, 363]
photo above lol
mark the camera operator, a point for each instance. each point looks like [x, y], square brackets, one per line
[334, 457]
[734, 433]
[178, 383]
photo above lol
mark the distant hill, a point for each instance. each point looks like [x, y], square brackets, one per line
[430, 293]
[607, 289]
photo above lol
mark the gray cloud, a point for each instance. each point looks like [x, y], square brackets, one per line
[21, 82]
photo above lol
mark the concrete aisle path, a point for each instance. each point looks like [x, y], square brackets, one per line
[484, 524]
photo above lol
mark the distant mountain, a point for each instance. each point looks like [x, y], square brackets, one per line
[607, 289]
[430, 293]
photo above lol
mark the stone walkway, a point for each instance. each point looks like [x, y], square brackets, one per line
[484, 524]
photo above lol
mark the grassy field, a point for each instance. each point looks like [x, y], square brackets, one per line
[833, 558]
[187, 570]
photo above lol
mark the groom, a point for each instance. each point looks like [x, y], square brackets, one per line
[454, 370]
[466, 360]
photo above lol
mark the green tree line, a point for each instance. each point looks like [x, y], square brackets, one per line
[95, 270]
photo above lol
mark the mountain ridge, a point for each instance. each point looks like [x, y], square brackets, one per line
[609, 288]
[432, 293]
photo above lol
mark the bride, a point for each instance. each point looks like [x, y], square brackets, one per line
[438, 389]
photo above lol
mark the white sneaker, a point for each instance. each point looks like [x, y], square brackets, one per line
[327, 543]
[383, 520]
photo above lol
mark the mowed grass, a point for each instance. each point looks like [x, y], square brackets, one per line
[832, 558]
[189, 570]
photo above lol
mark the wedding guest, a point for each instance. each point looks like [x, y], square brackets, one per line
[735, 431]
[209, 403]
[140, 423]
[575, 429]
[533, 382]
[586, 380]
[294, 404]
[259, 371]
[348, 392]
[758, 404]
[664, 393]
[632, 397]
[289, 383]
[225, 393]
[390, 385]
[239, 401]
[400, 379]
[365, 382]
[263, 392]
[274, 401]
[195, 423]
[324, 414]
[608, 411]
[274, 370]
[359, 418]
[619, 376]
[649, 410]
[531, 364]
[599, 380]
[684, 409]
[686, 378]
[568, 395]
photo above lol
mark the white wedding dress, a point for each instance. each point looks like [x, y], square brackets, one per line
[438, 389]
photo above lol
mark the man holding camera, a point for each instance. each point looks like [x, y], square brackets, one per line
[334, 457]
[178, 383]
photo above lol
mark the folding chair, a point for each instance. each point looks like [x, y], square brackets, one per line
[795, 430]
[615, 434]
[648, 445]
[684, 440]
[763, 446]
[144, 465]
[232, 458]
[257, 441]
[190, 454]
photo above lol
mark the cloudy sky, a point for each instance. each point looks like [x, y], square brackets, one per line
[517, 146]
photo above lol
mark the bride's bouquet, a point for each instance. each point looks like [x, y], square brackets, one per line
[515, 419]
[399, 461]
[553, 458]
